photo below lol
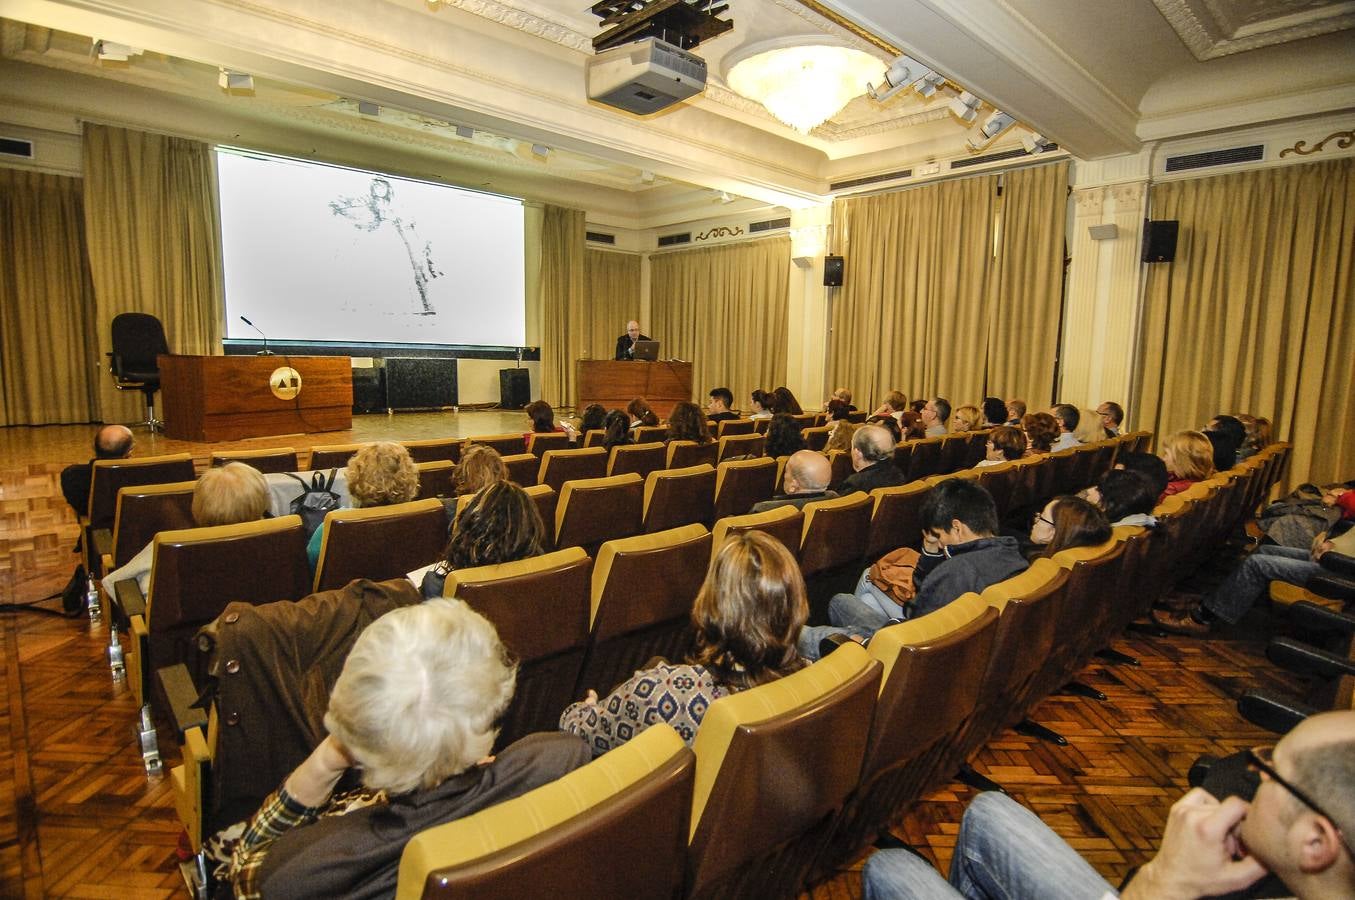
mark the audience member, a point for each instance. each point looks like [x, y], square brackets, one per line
[1126, 498]
[380, 474]
[1065, 523]
[894, 404]
[686, 423]
[720, 405]
[480, 467]
[1089, 428]
[966, 419]
[1041, 430]
[784, 402]
[1066, 417]
[840, 429]
[1227, 435]
[593, 416]
[918, 405]
[961, 552]
[872, 462]
[1296, 825]
[784, 436]
[845, 396]
[625, 345]
[616, 429]
[889, 424]
[543, 422]
[1248, 447]
[1112, 417]
[640, 413]
[1264, 434]
[1189, 457]
[223, 495]
[414, 711]
[910, 427]
[1148, 465]
[110, 442]
[806, 480]
[746, 617]
[500, 524]
[762, 404]
[934, 414]
[1016, 412]
[994, 412]
[1005, 444]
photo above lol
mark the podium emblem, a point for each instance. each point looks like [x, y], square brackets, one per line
[285, 382]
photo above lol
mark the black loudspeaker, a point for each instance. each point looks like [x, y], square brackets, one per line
[832, 271]
[515, 388]
[1159, 240]
[369, 389]
[420, 382]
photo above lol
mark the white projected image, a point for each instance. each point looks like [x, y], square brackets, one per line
[320, 253]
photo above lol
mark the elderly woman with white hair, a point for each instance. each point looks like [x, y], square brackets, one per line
[415, 712]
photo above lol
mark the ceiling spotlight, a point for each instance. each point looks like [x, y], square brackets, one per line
[902, 73]
[235, 82]
[726, 197]
[965, 107]
[1035, 142]
[983, 135]
[540, 150]
[646, 176]
[368, 108]
[112, 51]
[927, 84]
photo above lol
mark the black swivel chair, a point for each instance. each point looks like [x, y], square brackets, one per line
[138, 339]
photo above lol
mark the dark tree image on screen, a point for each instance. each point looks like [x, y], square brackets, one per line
[375, 210]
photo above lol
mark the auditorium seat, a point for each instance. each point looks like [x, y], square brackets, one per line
[275, 459]
[780, 486]
[648, 434]
[437, 478]
[954, 452]
[817, 438]
[638, 458]
[594, 437]
[785, 523]
[522, 468]
[435, 449]
[773, 763]
[903, 455]
[675, 497]
[760, 426]
[683, 454]
[538, 444]
[505, 444]
[334, 456]
[559, 466]
[142, 512]
[834, 533]
[544, 498]
[896, 518]
[740, 483]
[643, 589]
[965, 474]
[593, 510]
[107, 477]
[857, 416]
[380, 542]
[633, 805]
[998, 481]
[741, 445]
[840, 463]
[978, 446]
[540, 608]
[734, 426]
[804, 420]
[926, 458]
[933, 667]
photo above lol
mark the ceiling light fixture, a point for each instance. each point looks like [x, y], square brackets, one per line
[112, 51]
[903, 73]
[235, 82]
[965, 107]
[983, 135]
[803, 85]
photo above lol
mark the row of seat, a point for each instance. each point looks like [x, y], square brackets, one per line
[787, 780]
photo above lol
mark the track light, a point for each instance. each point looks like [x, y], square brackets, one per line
[984, 135]
[540, 150]
[1035, 143]
[903, 73]
[112, 51]
[965, 107]
[235, 82]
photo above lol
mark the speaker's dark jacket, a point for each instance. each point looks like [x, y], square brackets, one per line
[625, 348]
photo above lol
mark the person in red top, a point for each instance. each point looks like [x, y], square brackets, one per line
[1189, 458]
[543, 422]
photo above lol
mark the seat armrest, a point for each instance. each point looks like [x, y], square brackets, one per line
[127, 594]
[1273, 712]
[1339, 563]
[181, 694]
[1311, 617]
[1332, 586]
[103, 541]
[1306, 659]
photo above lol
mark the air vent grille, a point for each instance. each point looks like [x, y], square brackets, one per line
[769, 225]
[987, 158]
[598, 237]
[669, 240]
[16, 147]
[870, 179]
[1216, 158]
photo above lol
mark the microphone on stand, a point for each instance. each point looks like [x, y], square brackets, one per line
[265, 351]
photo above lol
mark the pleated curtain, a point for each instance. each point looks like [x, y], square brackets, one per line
[563, 290]
[612, 298]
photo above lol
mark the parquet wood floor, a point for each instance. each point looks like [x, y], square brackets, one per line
[79, 818]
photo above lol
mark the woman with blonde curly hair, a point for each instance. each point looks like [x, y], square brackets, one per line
[966, 418]
[380, 474]
[1189, 457]
[480, 467]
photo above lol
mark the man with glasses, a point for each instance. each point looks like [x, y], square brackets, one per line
[1112, 416]
[1298, 825]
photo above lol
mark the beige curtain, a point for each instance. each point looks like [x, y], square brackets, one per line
[151, 226]
[725, 309]
[612, 298]
[563, 286]
[1027, 291]
[48, 364]
[1257, 313]
[935, 302]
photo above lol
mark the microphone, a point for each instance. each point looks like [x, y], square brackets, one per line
[265, 351]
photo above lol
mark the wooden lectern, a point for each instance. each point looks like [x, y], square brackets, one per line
[614, 383]
[228, 398]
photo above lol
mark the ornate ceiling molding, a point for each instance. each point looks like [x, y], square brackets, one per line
[521, 20]
[1214, 28]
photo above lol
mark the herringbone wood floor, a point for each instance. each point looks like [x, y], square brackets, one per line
[79, 818]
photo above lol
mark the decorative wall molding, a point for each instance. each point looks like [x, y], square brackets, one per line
[1214, 28]
[535, 25]
[718, 232]
[1343, 140]
[1127, 193]
[1090, 201]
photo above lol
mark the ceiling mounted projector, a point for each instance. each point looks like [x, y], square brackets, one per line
[645, 77]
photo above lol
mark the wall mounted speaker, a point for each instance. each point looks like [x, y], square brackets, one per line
[420, 382]
[1103, 232]
[832, 271]
[515, 388]
[1159, 240]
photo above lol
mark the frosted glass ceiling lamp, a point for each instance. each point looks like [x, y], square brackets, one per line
[805, 85]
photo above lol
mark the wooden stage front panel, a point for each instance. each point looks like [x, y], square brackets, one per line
[615, 383]
[228, 398]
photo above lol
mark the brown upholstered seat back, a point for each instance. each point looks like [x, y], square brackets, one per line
[741, 445]
[435, 449]
[648, 434]
[505, 444]
[785, 523]
[540, 608]
[638, 458]
[998, 481]
[926, 458]
[896, 518]
[593, 510]
[277, 459]
[954, 452]
[682, 454]
[594, 437]
[145, 510]
[740, 483]
[675, 497]
[840, 461]
[335, 456]
[559, 466]
[834, 532]
[381, 542]
[436, 478]
[522, 468]
[642, 594]
[548, 440]
[816, 438]
[1089, 603]
[112, 475]
[903, 455]
[734, 426]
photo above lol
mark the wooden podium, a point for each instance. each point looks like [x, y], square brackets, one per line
[228, 398]
[614, 383]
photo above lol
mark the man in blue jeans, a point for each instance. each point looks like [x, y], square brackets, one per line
[1298, 825]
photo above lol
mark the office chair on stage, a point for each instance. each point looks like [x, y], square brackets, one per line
[138, 339]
